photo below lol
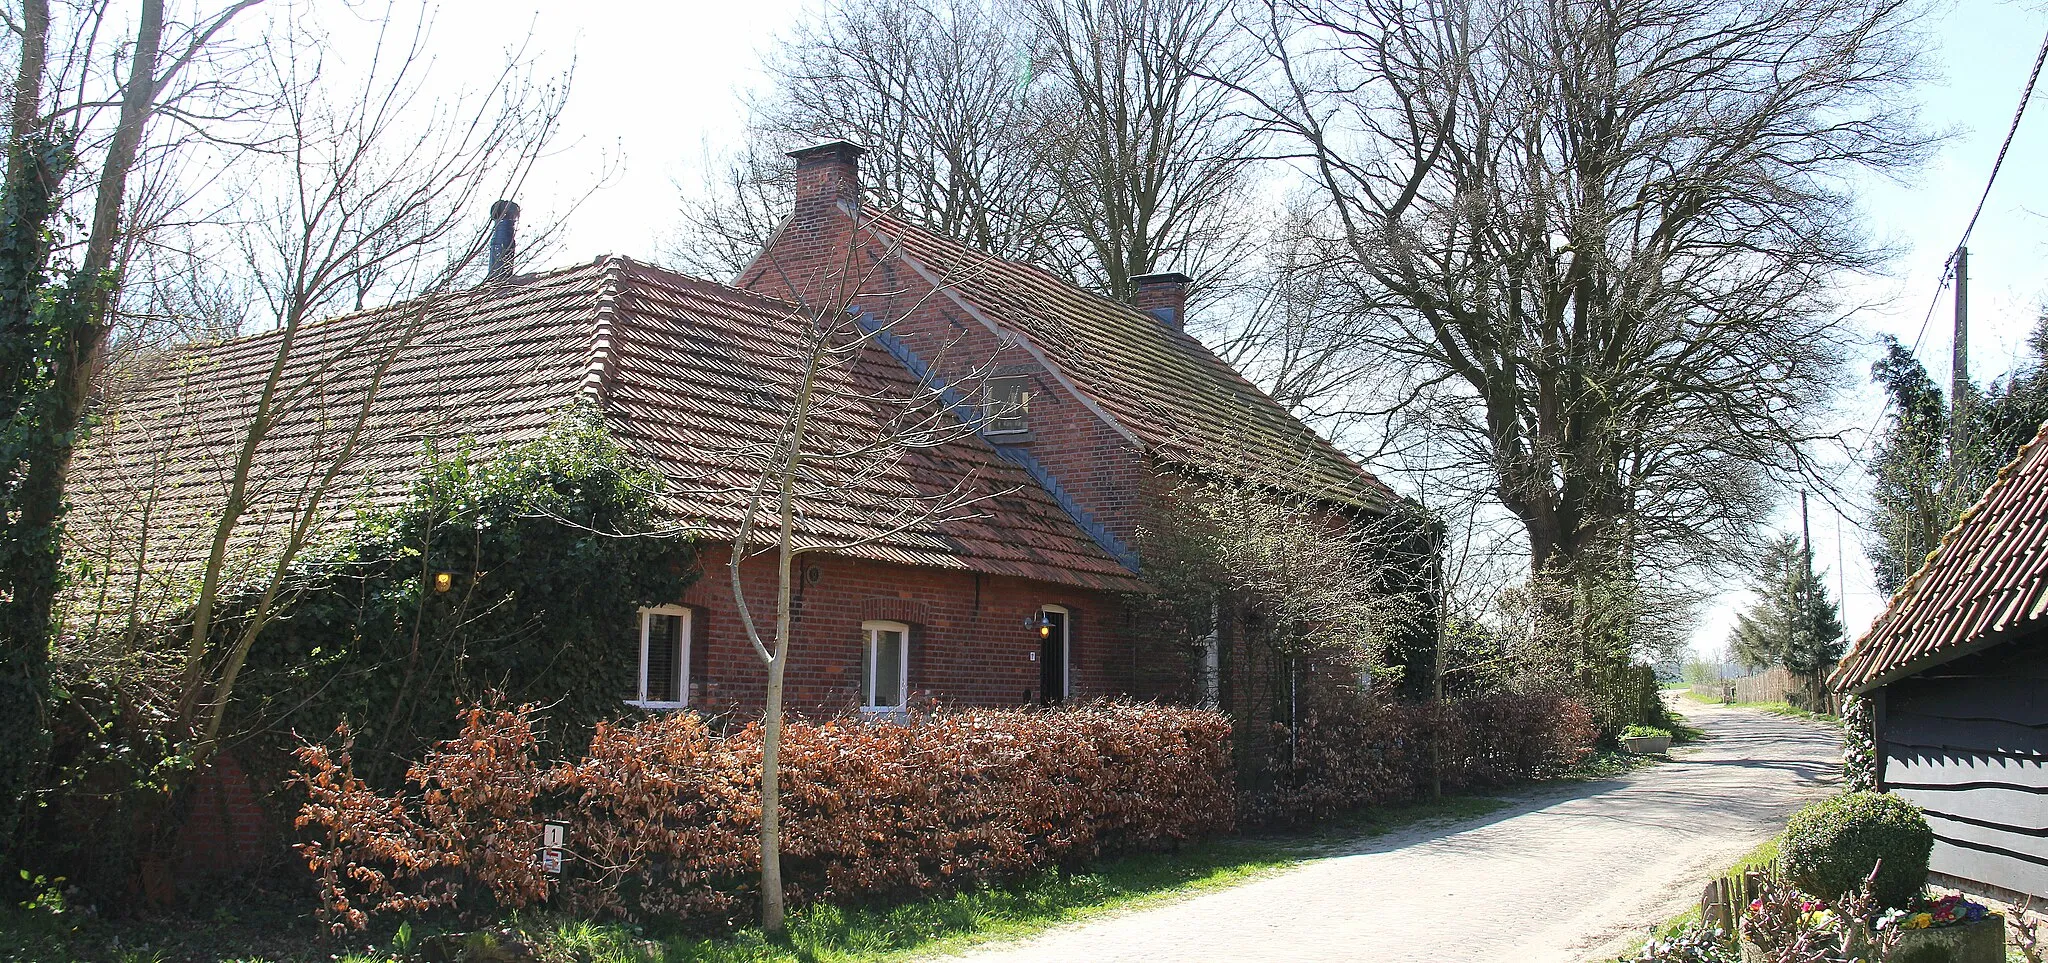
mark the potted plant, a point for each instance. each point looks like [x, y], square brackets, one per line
[1645, 740]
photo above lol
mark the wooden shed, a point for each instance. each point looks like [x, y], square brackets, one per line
[1956, 670]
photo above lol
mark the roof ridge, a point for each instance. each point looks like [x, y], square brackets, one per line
[597, 369]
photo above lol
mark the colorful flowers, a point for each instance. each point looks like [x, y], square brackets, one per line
[1951, 910]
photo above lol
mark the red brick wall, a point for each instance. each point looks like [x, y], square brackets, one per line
[970, 644]
[810, 259]
[224, 830]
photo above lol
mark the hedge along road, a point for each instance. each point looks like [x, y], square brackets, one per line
[1560, 876]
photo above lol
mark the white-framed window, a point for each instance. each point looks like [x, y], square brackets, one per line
[1006, 403]
[885, 666]
[1055, 654]
[661, 678]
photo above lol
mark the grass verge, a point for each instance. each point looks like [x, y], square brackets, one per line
[816, 934]
[1763, 855]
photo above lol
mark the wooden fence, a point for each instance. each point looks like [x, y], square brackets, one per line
[1779, 684]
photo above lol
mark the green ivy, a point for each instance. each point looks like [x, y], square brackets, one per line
[34, 320]
[551, 547]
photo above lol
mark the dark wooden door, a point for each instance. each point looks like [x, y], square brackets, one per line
[1052, 659]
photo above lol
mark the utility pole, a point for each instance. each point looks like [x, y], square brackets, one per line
[1959, 390]
[1805, 536]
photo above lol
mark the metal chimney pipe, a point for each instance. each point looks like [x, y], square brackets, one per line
[504, 240]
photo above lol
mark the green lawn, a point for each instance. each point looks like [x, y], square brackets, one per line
[819, 934]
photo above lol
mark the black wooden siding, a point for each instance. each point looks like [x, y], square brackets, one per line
[1968, 742]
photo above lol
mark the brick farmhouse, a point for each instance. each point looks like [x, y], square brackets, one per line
[1028, 598]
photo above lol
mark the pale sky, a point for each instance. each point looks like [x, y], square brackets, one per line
[659, 84]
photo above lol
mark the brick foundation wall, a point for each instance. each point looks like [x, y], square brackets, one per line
[224, 831]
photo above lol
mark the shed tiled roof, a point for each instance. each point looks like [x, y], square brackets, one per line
[1165, 388]
[1989, 574]
[683, 370]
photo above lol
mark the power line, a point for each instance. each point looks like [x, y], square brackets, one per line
[1948, 266]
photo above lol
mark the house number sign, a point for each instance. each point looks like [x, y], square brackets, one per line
[552, 836]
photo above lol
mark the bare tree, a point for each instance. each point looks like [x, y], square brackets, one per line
[1071, 134]
[1148, 159]
[850, 431]
[380, 188]
[55, 340]
[1606, 236]
[937, 90]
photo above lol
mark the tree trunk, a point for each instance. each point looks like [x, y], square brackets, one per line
[29, 576]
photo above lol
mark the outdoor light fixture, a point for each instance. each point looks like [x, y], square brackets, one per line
[1044, 623]
[443, 581]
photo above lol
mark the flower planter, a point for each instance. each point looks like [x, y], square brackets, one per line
[1646, 745]
[1979, 942]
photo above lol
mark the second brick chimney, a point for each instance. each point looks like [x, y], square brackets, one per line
[1163, 296]
[827, 174]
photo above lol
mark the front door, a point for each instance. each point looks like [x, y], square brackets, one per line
[1052, 657]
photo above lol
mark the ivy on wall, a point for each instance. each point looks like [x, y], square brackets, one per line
[548, 548]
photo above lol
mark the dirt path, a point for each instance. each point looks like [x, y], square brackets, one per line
[1559, 877]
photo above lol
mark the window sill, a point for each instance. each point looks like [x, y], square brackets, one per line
[656, 706]
[1008, 436]
[885, 712]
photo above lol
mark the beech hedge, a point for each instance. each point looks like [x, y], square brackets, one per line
[663, 812]
[1352, 752]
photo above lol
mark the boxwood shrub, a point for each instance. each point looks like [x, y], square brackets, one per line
[1831, 846]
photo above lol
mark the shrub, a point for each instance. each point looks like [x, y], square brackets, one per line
[1859, 745]
[1831, 846]
[1641, 732]
[663, 812]
[1785, 925]
[1348, 753]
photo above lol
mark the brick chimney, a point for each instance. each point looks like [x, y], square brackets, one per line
[827, 174]
[1163, 296]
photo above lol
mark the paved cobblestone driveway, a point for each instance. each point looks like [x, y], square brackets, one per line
[1559, 877]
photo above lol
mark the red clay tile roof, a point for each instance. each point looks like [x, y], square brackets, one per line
[681, 365]
[1989, 574]
[1163, 387]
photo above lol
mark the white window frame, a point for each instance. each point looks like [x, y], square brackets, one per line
[870, 636]
[1022, 414]
[683, 657]
[1066, 650]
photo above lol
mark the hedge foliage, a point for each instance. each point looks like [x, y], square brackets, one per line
[1831, 846]
[1350, 753]
[663, 812]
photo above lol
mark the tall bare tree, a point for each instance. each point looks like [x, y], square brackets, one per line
[55, 336]
[1148, 159]
[1073, 134]
[1608, 236]
[380, 190]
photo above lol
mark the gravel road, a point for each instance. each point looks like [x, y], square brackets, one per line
[1560, 876]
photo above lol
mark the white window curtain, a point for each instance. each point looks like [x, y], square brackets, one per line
[885, 665]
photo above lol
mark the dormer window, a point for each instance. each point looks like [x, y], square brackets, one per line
[1006, 403]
